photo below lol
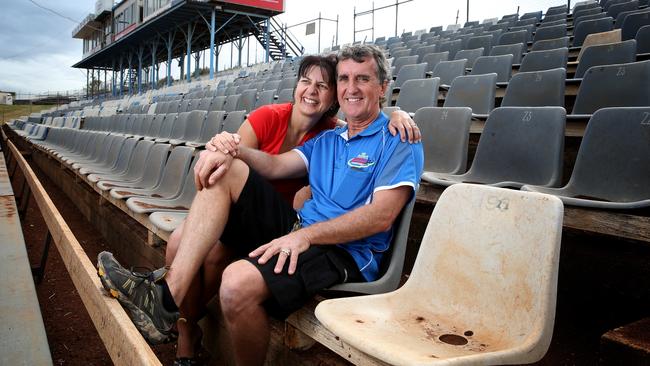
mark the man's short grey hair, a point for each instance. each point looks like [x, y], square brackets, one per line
[360, 52]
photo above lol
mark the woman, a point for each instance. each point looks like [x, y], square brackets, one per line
[275, 129]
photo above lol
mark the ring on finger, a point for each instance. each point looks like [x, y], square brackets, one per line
[286, 251]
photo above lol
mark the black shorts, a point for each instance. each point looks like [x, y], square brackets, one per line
[261, 215]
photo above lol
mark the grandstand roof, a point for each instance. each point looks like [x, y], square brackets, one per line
[230, 20]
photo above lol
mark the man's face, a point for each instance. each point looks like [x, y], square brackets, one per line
[359, 89]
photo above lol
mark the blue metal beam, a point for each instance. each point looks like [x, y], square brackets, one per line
[212, 34]
[140, 52]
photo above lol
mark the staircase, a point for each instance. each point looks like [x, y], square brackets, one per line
[281, 44]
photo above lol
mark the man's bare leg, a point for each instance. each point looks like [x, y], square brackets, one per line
[242, 293]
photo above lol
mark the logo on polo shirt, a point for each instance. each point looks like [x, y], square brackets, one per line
[360, 162]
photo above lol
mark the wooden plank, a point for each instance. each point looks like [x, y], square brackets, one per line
[627, 345]
[123, 342]
[305, 321]
[5, 183]
[23, 340]
[593, 221]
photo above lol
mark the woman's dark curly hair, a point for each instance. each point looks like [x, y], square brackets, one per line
[327, 64]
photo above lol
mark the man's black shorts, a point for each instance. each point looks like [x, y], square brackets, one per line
[261, 215]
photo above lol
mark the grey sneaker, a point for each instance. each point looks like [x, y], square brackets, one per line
[141, 294]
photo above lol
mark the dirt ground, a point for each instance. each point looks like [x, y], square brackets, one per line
[71, 334]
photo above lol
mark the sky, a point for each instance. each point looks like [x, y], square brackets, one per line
[37, 49]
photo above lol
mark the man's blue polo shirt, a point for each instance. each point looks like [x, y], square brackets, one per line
[345, 172]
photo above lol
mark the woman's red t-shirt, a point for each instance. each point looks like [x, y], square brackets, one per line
[270, 124]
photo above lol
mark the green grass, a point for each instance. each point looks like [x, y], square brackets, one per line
[8, 112]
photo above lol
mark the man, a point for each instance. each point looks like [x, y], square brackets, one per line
[360, 176]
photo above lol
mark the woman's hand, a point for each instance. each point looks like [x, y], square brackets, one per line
[401, 122]
[225, 142]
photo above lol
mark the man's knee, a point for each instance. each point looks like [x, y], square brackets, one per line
[242, 285]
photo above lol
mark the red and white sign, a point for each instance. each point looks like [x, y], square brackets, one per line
[277, 5]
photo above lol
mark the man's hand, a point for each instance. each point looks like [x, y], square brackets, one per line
[401, 122]
[211, 166]
[290, 245]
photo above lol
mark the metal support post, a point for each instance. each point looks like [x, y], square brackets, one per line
[239, 48]
[319, 18]
[87, 83]
[212, 34]
[396, 15]
[170, 40]
[188, 37]
[24, 201]
[267, 25]
[121, 78]
[130, 74]
[154, 47]
[140, 54]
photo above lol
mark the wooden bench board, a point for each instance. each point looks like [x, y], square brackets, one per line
[5, 183]
[23, 340]
[123, 342]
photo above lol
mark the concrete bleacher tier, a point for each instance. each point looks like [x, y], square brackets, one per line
[502, 102]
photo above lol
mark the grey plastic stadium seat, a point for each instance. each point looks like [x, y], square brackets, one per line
[179, 202]
[247, 100]
[156, 125]
[633, 22]
[218, 103]
[554, 23]
[447, 71]
[515, 49]
[232, 101]
[474, 91]
[287, 83]
[484, 42]
[418, 93]
[105, 161]
[101, 146]
[171, 182]
[612, 169]
[425, 50]
[501, 65]
[285, 96]
[265, 97]
[550, 44]
[544, 60]
[524, 22]
[520, 36]
[451, 46]
[469, 55]
[615, 10]
[408, 72]
[433, 59]
[233, 121]
[519, 145]
[167, 221]
[554, 18]
[167, 127]
[587, 27]
[392, 261]
[204, 104]
[643, 40]
[606, 54]
[114, 163]
[399, 53]
[404, 60]
[585, 18]
[622, 85]
[445, 138]
[212, 126]
[552, 32]
[529, 31]
[135, 162]
[193, 127]
[536, 89]
[147, 176]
